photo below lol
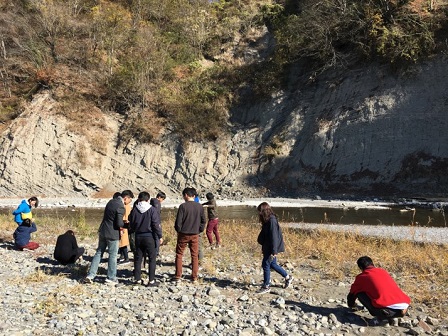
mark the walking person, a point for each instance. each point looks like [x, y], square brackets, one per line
[66, 250]
[190, 222]
[378, 292]
[213, 220]
[145, 223]
[23, 211]
[22, 235]
[109, 236]
[271, 241]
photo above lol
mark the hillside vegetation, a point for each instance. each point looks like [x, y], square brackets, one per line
[181, 64]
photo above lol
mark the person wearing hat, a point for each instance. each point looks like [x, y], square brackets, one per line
[213, 220]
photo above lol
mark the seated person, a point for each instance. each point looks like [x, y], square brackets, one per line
[67, 250]
[22, 235]
[377, 291]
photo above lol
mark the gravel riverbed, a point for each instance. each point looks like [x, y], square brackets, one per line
[41, 297]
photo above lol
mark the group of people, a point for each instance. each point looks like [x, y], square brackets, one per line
[374, 288]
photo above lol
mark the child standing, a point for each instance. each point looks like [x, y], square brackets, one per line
[271, 241]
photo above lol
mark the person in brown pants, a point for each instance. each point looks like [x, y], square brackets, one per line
[190, 221]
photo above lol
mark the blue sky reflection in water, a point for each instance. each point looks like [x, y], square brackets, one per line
[395, 216]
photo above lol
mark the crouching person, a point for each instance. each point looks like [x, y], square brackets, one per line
[22, 235]
[67, 250]
[377, 292]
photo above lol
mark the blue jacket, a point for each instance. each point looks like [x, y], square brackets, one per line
[23, 207]
[22, 234]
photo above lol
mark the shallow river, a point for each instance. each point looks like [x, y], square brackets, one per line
[391, 217]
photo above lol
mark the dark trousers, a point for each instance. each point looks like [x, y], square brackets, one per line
[124, 252]
[72, 259]
[380, 313]
[145, 246]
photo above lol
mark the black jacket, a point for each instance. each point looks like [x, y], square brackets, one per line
[190, 218]
[66, 248]
[112, 219]
[271, 238]
[145, 221]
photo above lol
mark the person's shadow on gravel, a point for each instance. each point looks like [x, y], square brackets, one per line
[342, 314]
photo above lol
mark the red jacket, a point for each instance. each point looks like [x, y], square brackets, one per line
[379, 287]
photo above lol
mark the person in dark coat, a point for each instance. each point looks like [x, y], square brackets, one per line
[190, 222]
[145, 222]
[67, 250]
[109, 236]
[271, 241]
[22, 235]
[157, 203]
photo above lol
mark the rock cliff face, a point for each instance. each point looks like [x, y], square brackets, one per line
[361, 131]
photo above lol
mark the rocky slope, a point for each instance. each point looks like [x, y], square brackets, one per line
[362, 130]
[41, 297]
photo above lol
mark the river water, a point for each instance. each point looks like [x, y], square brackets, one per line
[390, 217]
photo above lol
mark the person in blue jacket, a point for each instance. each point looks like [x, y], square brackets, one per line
[23, 211]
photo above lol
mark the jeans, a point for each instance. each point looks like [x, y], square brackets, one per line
[268, 263]
[212, 227]
[193, 243]
[112, 246]
[145, 246]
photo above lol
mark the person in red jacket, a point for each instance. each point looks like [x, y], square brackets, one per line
[377, 291]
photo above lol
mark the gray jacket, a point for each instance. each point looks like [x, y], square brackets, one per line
[112, 219]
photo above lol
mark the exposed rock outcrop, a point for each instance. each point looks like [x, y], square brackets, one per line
[358, 131]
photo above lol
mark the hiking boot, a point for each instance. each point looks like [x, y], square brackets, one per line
[288, 281]
[263, 290]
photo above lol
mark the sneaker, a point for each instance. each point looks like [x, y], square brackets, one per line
[87, 280]
[263, 290]
[112, 282]
[218, 246]
[152, 284]
[288, 281]
[174, 279]
[124, 262]
[138, 282]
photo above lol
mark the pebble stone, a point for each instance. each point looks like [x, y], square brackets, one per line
[41, 297]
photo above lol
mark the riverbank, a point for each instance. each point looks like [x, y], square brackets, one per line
[53, 202]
